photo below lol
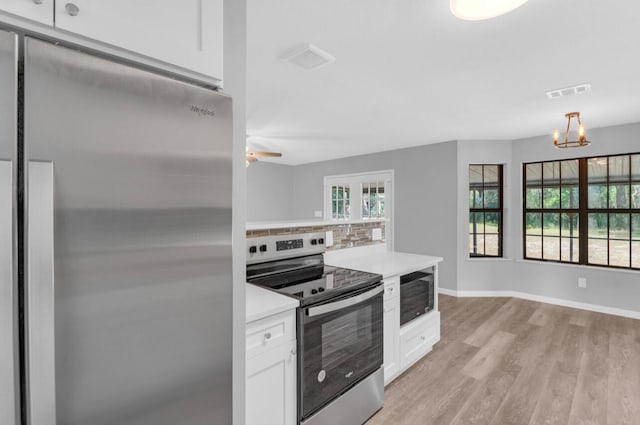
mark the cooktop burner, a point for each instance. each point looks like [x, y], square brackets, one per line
[315, 284]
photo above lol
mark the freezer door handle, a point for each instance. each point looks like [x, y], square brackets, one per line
[7, 297]
[41, 402]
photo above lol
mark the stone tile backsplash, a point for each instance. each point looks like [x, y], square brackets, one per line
[344, 235]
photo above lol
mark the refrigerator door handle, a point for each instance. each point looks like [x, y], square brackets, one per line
[41, 396]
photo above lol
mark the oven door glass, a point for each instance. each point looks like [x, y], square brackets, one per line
[341, 344]
[416, 296]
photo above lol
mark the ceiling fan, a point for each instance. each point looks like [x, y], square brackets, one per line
[253, 156]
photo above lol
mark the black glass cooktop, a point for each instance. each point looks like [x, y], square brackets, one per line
[314, 284]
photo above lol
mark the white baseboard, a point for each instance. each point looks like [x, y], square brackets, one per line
[539, 298]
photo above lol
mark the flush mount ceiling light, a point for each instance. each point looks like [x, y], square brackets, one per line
[477, 10]
[566, 143]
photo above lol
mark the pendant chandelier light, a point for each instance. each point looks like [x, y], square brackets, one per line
[566, 143]
[477, 10]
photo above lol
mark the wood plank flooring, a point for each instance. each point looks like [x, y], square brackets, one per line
[506, 361]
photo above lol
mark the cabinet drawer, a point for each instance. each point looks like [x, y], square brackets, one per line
[270, 332]
[391, 287]
[416, 341]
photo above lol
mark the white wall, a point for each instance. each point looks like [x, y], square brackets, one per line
[235, 78]
[269, 192]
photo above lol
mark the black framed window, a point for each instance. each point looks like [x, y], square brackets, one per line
[485, 210]
[583, 211]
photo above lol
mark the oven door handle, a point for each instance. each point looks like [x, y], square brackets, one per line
[347, 302]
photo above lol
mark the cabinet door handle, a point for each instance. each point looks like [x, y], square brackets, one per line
[38, 1]
[293, 352]
[72, 9]
[267, 336]
[424, 338]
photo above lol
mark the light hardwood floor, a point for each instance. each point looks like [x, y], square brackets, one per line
[506, 361]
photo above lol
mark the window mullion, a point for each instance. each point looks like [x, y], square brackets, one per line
[583, 217]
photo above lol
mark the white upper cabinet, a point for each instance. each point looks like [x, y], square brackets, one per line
[186, 33]
[35, 10]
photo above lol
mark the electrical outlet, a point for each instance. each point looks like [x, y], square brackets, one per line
[328, 238]
[317, 214]
[582, 282]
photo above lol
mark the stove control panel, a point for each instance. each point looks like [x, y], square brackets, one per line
[268, 248]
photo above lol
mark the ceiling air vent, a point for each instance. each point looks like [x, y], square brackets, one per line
[309, 57]
[568, 91]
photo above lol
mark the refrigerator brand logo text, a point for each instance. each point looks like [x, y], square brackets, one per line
[202, 111]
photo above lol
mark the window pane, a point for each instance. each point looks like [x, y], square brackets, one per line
[569, 224]
[534, 247]
[492, 222]
[619, 253]
[476, 222]
[635, 167]
[551, 248]
[619, 168]
[635, 255]
[478, 196]
[551, 224]
[569, 170]
[635, 226]
[534, 173]
[597, 196]
[475, 174]
[491, 175]
[492, 243]
[477, 244]
[597, 170]
[534, 198]
[551, 197]
[619, 196]
[598, 225]
[598, 251]
[491, 198]
[340, 208]
[533, 224]
[551, 172]
[619, 226]
[569, 197]
[570, 250]
[635, 196]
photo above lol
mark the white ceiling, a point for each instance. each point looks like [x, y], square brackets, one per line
[409, 73]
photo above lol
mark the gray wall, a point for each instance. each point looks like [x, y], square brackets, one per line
[425, 191]
[269, 192]
[605, 287]
[431, 213]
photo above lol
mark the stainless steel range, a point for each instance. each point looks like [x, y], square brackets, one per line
[339, 327]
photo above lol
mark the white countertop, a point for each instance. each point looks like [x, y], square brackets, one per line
[262, 225]
[386, 263]
[263, 302]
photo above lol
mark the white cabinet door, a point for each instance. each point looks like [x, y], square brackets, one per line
[186, 33]
[391, 338]
[271, 387]
[36, 10]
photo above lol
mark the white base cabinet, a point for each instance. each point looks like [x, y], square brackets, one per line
[403, 346]
[271, 371]
[418, 337]
[391, 329]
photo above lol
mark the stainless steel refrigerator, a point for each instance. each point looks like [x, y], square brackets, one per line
[115, 242]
